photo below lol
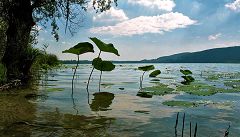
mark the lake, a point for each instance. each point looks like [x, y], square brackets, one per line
[53, 112]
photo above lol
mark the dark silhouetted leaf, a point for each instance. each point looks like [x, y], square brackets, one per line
[185, 72]
[146, 68]
[155, 73]
[105, 47]
[101, 65]
[188, 78]
[80, 48]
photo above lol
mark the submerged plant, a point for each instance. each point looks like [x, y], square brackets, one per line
[98, 63]
[79, 49]
[144, 69]
[187, 77]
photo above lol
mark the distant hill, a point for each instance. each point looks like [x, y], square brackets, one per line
[217, 55]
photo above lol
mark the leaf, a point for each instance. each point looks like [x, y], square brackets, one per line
[146, 68]
[80, 48]
[155, 73]
[188, 78]
[101, 65]
[185, 72]
[105, 47]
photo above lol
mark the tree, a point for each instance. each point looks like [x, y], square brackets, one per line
[22, 15]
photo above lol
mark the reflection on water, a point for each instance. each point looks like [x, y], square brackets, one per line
[101, 101]
[51, 111]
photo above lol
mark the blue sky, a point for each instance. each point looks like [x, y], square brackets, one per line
[147, 29]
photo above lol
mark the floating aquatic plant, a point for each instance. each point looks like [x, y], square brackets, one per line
[155, 73]
[98, 63]
[144, 69]
[79, 49]
[187, 77]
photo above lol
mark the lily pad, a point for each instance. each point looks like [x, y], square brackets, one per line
[55, 89]
[105, 47]
[233, 83]
[199, 89]
[185, 72]
[80, 48]
[155, 73]
[180, 103]
[144, 94]
[146, 68]
[101, 65]
[155, 80]
[142, 111]
[159, 89]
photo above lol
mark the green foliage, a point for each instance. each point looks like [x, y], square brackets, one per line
[180, 103]
[146, 68]
[187, 79]
[3, 74]
[159, 89]
[101, 65]
[185, 72]
[144, 94]
[47, 61]
[105, 47]
[199, 89]
[80, 48]
[155, 73]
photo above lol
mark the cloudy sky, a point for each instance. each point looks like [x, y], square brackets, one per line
[147, 29]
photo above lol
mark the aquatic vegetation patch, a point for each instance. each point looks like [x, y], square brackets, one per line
[232, 83]
[159, 89]
[144, 94]
[155, 79]
[54, 89]
[155, 73]
[142, 111]
[199, 89]
[217, 105]
[173, 103]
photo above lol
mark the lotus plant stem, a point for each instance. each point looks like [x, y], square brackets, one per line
[190, 129]
[141, 79]
[176, 120]
[75, 70]
[195, 132]
[100, 81]
[183, 124]
[227, 131]
[91, 73]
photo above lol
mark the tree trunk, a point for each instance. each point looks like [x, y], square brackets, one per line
[20, 23]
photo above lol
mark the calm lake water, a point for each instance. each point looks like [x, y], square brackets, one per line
[54, 113]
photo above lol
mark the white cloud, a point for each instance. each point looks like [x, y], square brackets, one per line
[235, 6]
[111, 15]
[166, 5]
[214, 37]
[147, 24]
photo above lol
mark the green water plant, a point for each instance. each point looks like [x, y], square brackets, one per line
[145, 69]
[174, 103]
[98, 63]
[187, 77]
[155, 73]
[78, 50]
